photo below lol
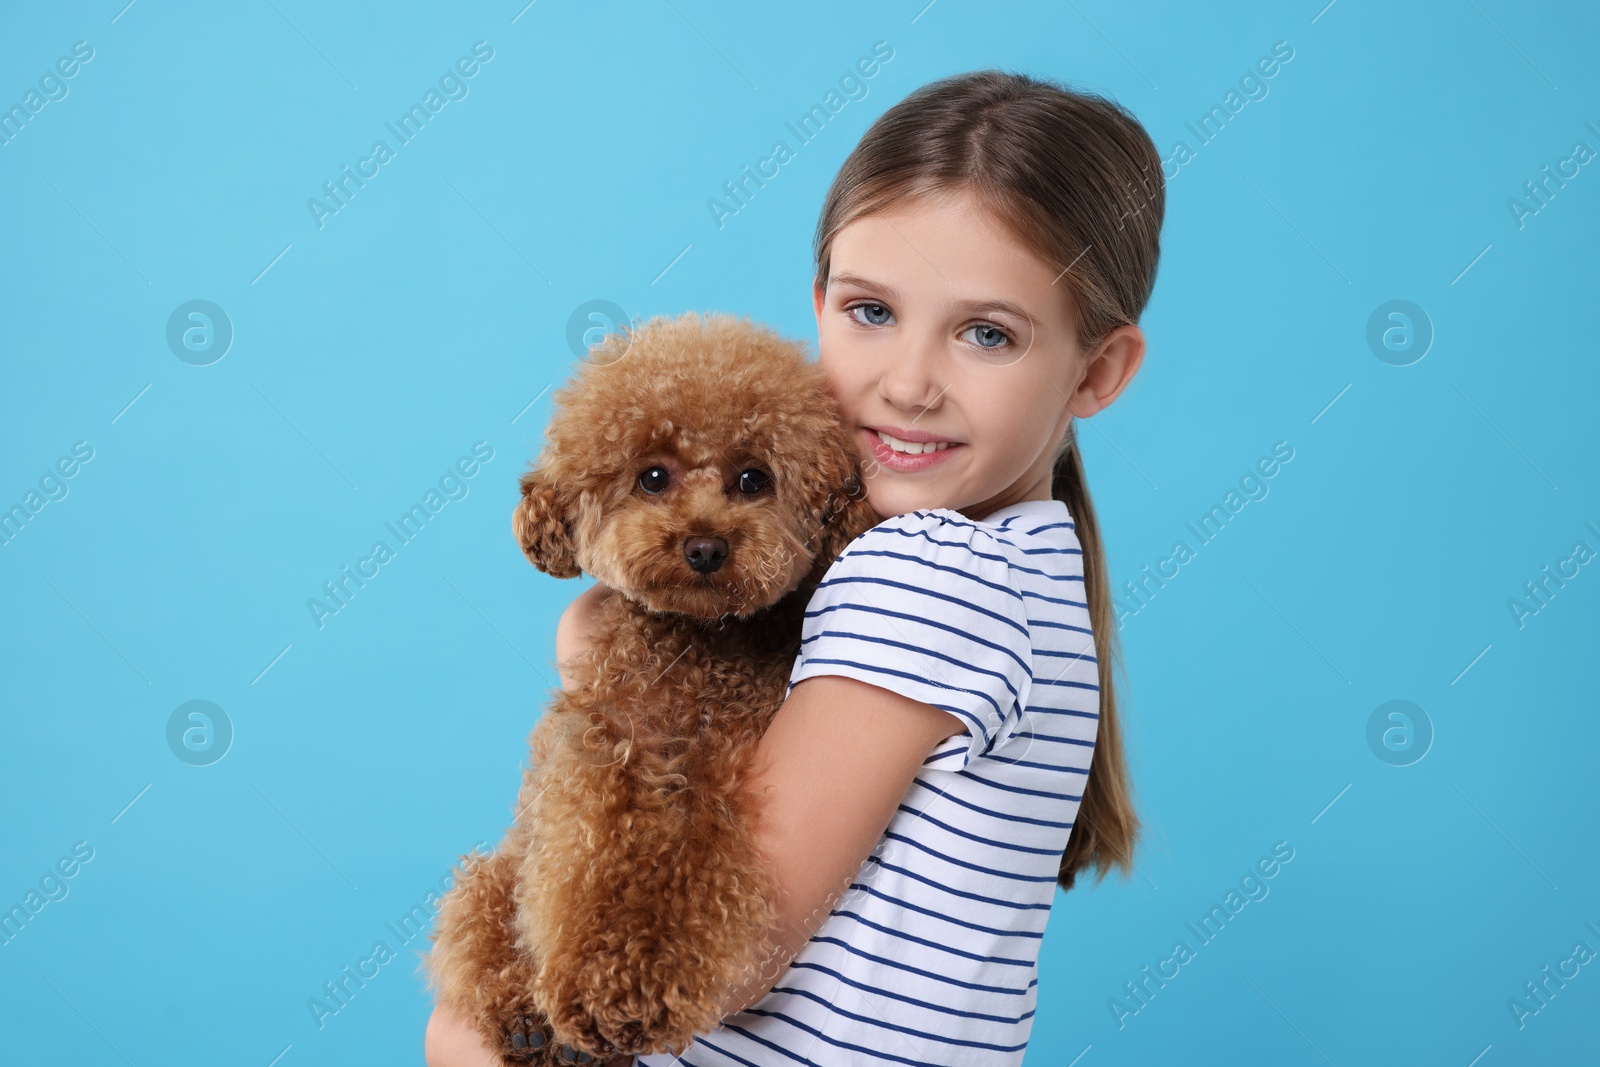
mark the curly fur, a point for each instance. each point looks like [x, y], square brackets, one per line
[627, 897]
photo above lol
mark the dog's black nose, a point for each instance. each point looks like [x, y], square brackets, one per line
[705, 554]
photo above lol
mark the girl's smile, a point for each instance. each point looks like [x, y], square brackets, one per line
[907, 450]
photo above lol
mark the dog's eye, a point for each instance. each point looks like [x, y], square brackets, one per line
[654, 480]
[753, 481]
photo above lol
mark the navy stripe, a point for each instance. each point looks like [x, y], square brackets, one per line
[1020, 789]
[1083, 655]
[995, 555]
[980, 554]
[929, 1005]
[942, 917]
[927, 655]
[879, 1053]
[1056, 600]
[990, 811]
[920, 591]
[889, 1026]
[968, 523]
[935, 567]
[1065, 711]
[967, 546]
[964, 635]
[875, 669]
[914, 843]
[1047, 574]
[903, 936]
[1050, 624]
[1059, 767]
[1019, 905]
[1053, 737]
[974, 837]
[759, 1040]
[1052, 551]
[1069, 684]
[936, 976]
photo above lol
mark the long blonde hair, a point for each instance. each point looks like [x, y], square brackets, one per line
[1077, 180]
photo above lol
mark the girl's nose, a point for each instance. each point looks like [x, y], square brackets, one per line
[909, 381]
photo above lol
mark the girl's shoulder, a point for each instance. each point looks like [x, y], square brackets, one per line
[931, 560]
[942, 540]
[924, 550]
[945, 610]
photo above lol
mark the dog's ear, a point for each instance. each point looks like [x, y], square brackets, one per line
[845, 513]
[543, 525]
[845, 516]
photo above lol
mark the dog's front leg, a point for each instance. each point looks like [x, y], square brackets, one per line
[694, 922]
[476, 966]
[649, 909]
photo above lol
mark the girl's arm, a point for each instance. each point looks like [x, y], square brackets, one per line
[837, 760]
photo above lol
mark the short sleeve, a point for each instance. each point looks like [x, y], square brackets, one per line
[924, 605]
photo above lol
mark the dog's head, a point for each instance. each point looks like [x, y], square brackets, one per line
[697, 465]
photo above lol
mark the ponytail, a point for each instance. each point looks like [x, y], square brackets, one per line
[1107, 825]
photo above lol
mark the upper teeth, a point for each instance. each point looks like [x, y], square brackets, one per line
[913, 448]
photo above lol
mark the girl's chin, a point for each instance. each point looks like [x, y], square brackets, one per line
[900, 500]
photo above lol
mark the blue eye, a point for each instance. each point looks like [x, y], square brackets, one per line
[994, 333]
[990, 336]
[887, 314]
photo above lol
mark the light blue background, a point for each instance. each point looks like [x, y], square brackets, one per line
[430, 311]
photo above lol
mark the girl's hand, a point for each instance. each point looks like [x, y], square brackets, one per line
[577, 627]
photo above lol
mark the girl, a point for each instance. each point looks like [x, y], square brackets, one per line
[949, 751]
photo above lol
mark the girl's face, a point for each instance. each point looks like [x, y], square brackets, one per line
[952, 352]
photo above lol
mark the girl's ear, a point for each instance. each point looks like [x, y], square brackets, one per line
[543, 527]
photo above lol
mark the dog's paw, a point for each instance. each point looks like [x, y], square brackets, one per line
[529, 1041]
[579, 1028]
[619, 1025]
[526, 1039]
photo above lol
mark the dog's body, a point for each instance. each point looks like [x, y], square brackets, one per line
[628, 898]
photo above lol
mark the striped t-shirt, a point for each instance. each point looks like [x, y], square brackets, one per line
[931, 957]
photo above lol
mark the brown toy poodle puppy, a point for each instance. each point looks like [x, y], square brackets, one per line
[698, 467]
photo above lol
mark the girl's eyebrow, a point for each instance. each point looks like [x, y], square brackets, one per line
[976, 307]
